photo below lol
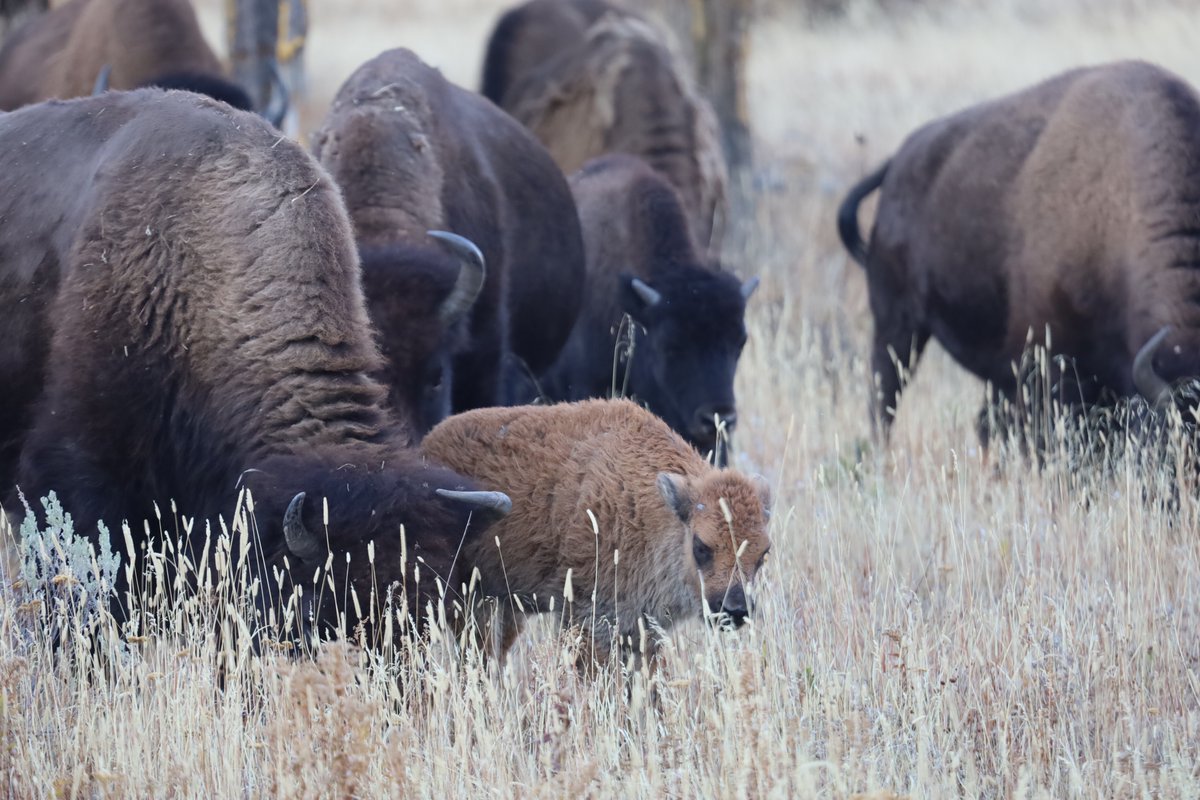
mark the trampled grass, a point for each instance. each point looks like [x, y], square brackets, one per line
[934, 621]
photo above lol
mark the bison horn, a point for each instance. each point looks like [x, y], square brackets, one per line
[748, 287]
[101, 85]
[301, 542]
[277, 107]
[650, 296]
[1148, 382]
[491, 501]
[472, 273]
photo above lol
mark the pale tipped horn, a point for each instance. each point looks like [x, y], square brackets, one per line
[472, 272]
[649, 295]
[1149, 383]
[101, 85]
[491, 501]
[749, 286]
[301, 542]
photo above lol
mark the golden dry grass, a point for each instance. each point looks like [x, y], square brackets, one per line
[932, 624]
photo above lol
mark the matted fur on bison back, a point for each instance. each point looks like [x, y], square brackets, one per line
[594, 478]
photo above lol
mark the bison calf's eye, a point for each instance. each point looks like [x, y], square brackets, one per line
[701, 552]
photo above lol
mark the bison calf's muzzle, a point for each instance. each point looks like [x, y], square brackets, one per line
[732, 607]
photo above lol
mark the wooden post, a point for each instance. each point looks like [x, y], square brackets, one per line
[13, 13]
[252, 29]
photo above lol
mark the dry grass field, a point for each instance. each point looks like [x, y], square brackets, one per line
[934, 621]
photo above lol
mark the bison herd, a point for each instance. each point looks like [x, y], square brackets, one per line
[374, 337]
[192, 305]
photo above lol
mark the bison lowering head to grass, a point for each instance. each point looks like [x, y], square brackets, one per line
[606, 499]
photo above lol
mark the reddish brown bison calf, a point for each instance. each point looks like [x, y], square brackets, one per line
[605, 494]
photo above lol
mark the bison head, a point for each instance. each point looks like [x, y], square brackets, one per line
[375, 529]
[683, 368]
[725, 515]
[419, 299]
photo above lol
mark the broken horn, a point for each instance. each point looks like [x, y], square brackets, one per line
[749, 286]
[472, 272]
[491, 501]
[1146, 380]
[301, 542]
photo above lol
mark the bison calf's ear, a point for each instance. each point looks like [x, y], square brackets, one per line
[674, 490]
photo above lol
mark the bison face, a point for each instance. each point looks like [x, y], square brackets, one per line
[391, 529]
[419, 299]
[725, 515]
[684, 367]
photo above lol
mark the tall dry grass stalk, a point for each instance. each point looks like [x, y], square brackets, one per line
[934, 621]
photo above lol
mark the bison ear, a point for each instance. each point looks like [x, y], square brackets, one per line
[638, 297]
[674, 489]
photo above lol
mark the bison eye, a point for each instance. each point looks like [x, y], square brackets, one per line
[701, 552]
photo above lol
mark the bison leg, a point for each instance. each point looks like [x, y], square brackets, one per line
[897, 350]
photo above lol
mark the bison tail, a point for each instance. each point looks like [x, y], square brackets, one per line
[847, 217]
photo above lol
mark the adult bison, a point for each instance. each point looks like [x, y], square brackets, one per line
[606, 82]
[413, 152]
[592, 481]
[181, 311]
[641, 261]
[84, 45]
[1068, 210]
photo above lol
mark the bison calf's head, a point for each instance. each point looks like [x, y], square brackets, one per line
[725, 517]
[695, 331]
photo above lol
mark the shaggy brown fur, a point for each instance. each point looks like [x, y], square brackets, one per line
[1069, 209]
[620, 90]
[682, 368]
[61, 53]
[413, 152]
[654, 500]
[180, 312]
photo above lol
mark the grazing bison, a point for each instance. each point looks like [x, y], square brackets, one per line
[413, 152]
[688, 535]
[181, 311]
[1068, 210]
[614, 89]
[641, 261]
[528, 36]
[87, 45]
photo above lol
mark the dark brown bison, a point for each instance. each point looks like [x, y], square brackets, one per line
[1068, 210]
[87, 45]
[641, 261]
[181, 311]
[610, 86]
[608, 501]
[413, 152]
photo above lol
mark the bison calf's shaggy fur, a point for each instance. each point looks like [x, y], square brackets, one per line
[673, 535]
[181, 314]
[1069, 210]
[641, 261]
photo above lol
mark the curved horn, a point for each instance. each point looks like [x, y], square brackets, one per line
[492, 501]
[1148, 382]
[749, 286]
[301, 542]
[101, 85]
[650, 296]
[472, 272]
[277, 107]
